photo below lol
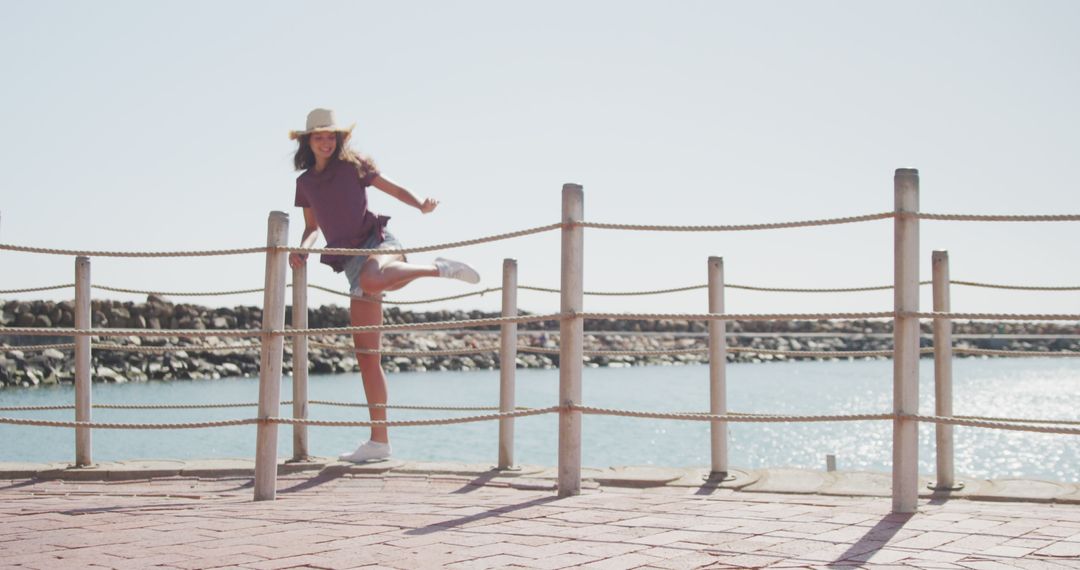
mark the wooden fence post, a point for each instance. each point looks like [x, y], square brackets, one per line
[273, 318]
[300, 362]
[571, 335]
[943, 355]
[905, 469]
[83, 380]
[508, 364]
[717, 369]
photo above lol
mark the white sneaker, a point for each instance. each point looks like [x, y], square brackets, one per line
[456, 270]
[367, 451]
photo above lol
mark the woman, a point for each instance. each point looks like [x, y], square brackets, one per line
[332, 190]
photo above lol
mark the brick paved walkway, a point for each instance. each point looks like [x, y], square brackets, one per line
[416, 521]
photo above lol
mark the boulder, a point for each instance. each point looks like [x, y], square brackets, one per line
[52, 354]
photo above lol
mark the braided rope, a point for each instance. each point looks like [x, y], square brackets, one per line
[1014, 287]
[416, 302]
[329, 290]
[180, 293]
[993, 419]
[414, 423]
[410, 353]
[550, 289]
[1021, 353]
[118, 425]
[736, 316]
[466, 323]
[135, 348]
[58, 331]
[133, 406]
[805, 289]
[730, 417]
[480, 293]
[253, 404]
[421, 249]
[994, 316]
[542, 350]
[991, 425]
[37, 347]
[409, 406]
[36, 289]
[998, 218]
[93, 253]
[164, 349]
[540, 229]
[736, 228]
[695, 416]
[616, 293]
[813, 353]
[293, 421]
[236, 251]
[814, 290]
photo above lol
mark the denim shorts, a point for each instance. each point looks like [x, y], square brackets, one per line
[355, 264]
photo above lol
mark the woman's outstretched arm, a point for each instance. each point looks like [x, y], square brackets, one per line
[404, 195]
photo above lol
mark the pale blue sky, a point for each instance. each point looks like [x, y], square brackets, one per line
[162, 126]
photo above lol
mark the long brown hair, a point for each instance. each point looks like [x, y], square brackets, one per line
[304, 158]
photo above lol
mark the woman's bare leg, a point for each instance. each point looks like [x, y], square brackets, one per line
[366, 312]
[389, 272]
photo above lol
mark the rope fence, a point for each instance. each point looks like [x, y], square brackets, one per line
[739, 227]
[552, 351]
[483, 292]
[278, 420]
[1008, 426]
[253, 404]
[905, 315]
[546, 228]
[1011, 424]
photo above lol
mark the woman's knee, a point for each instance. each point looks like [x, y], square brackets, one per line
[370, 282]
[368, 361]
[372, 278]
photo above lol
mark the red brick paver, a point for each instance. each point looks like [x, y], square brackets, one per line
[408, 522]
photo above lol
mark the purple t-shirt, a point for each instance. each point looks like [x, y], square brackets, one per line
[338, 196]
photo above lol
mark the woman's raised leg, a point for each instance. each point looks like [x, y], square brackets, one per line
[390, 272]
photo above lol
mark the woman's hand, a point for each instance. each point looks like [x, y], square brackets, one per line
[296, 259]
[428, 205]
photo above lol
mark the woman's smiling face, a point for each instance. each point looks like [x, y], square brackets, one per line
[323, 144]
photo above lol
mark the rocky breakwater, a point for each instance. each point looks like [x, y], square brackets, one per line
[180, 357]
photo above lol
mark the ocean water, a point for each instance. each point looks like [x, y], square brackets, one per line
[1029, 388]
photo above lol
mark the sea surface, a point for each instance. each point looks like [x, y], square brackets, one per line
[1024, 388]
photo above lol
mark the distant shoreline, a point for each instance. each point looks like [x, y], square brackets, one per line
[51, 366]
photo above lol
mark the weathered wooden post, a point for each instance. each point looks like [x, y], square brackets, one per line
[905, 472]
[83, 400]
[273, 318]
[508, 364]
[300, 362]
[943, 355]
[571, 335]
[717, 369]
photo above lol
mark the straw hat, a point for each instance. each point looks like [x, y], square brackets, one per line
[321, 120]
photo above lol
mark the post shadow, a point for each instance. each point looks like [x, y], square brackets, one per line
[878, 536]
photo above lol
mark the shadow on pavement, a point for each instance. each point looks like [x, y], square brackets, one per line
[869, 543]
[438, 527]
